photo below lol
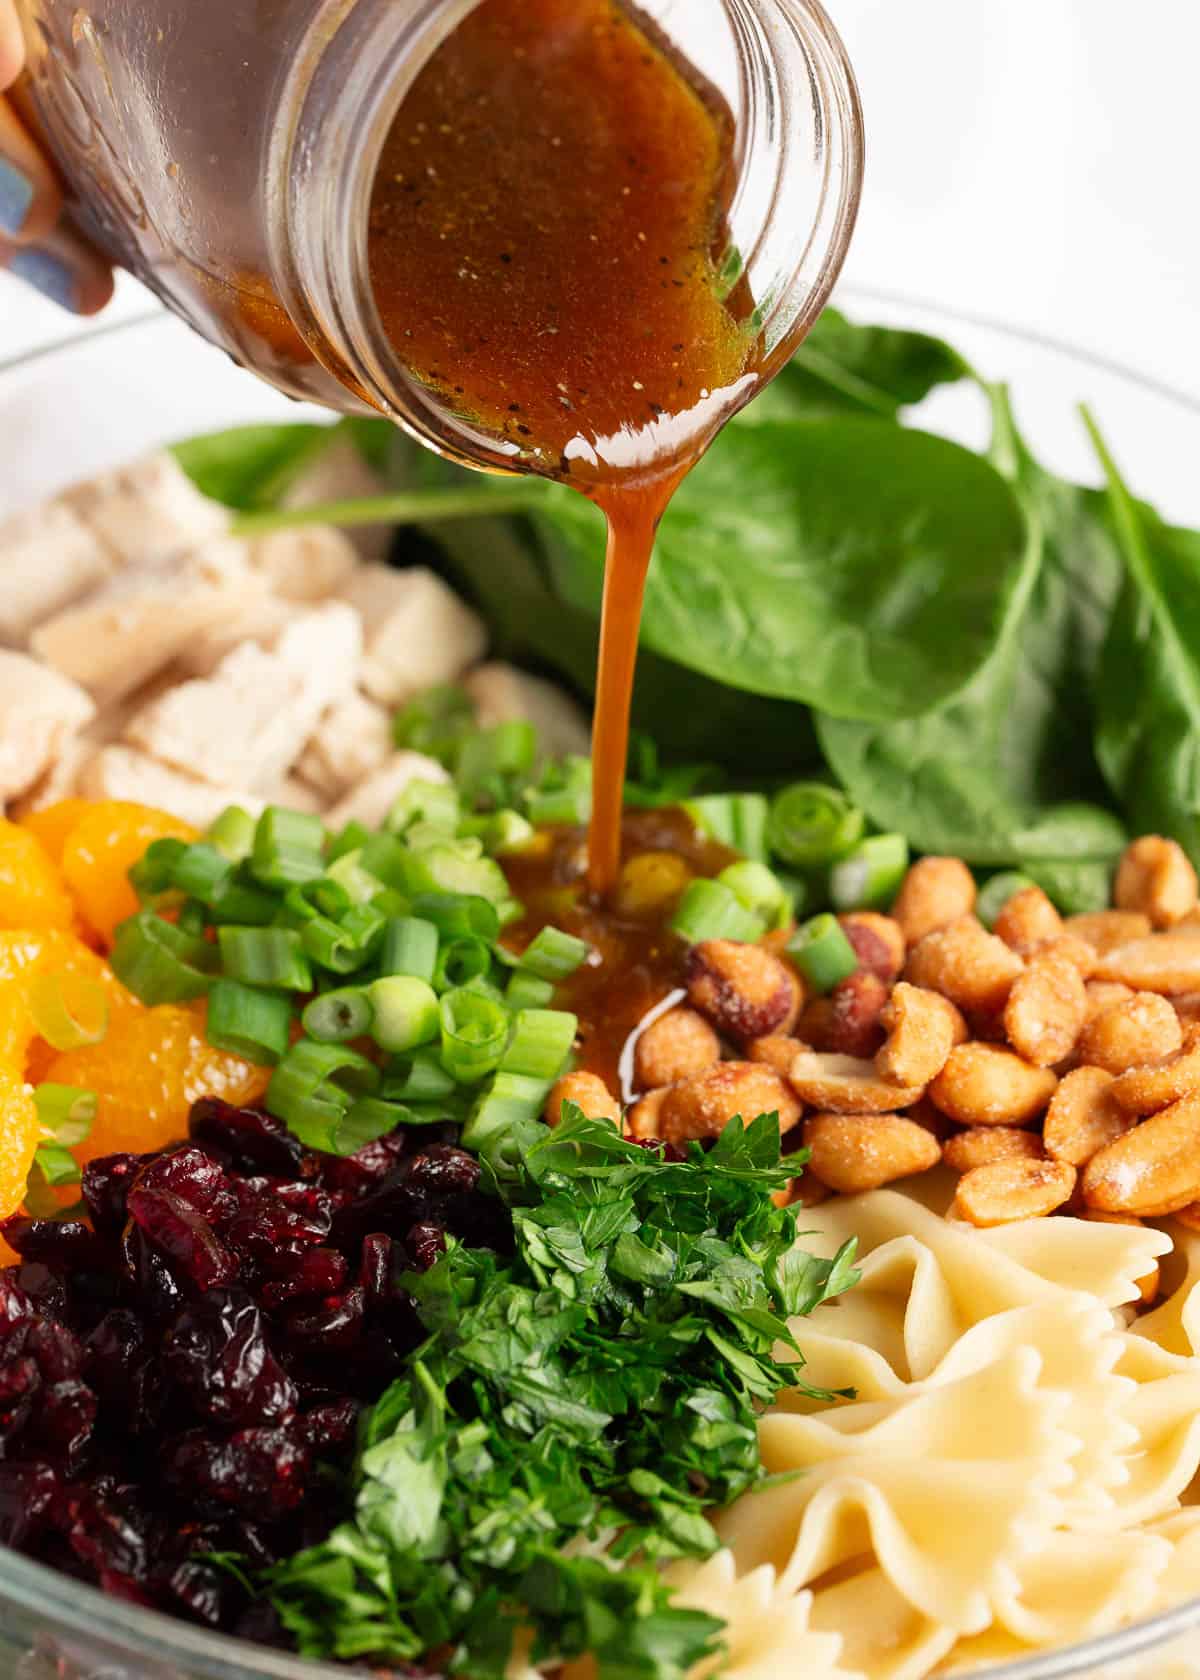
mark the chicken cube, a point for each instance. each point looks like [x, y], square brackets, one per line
[117, 772]
[352, 740]
[49, 558]
[372, 799]
[418, 632]
[148, 511]
[305, 565]
[40, 712]
[502, 694]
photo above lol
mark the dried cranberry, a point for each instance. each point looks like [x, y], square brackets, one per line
[330, 1427]
[46, 1290]
[331, 1326]
[158, 1294]
[217, 1353]
[58, 1351]
[250, 1141]
[16, 1315]
[263, 1472]
[377, 1271]
[27, 1495]
[20, 1381]
[208, 1595]
[425, 1244]
[121, 1370]
[63, 1244]
[305, 1272]
[366, 1169]
[191, 1175]
[106, 1183]
[110, 1531]
[180, 1233]
[64, 1419]
[443, 1171]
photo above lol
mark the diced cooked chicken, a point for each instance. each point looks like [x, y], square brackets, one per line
[262, 619]
[353, 738]
[148, 511]
[371, 800]
[40, 712]
[419, 633]
[304, 565]
[122, 634]
[60, 780]
[48, 559]
[338, 473]
[117, 772]
[502, 694]
[324, 648]
[297, 796]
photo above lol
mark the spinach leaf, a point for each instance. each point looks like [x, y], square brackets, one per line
[846, 369]
[250, 467]
[1148, 696]
[1003, 773]
[862, 569]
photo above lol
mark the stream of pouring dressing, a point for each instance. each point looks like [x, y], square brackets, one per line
[546, 228]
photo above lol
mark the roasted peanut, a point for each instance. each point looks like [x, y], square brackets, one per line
[1104, 930]
[922, 1027]
[1187, 1007]
[1165, 962]
[1144, 1090]
[967, 964]
[677, 1045]
[852, 1153]
[1083, 1117]
[1006, 1191]
[924, 1114]
[878, 942]
[1102, 994]
[981, 1145]
[935, 892]
[847, 1085]
[1152, 1170]
[1141, 1030]
[982, 1085]
[1073, 950]
[1156, 877]
[745, 991]
[650, 883]
[1151, 1282]
[589, 1092]
[1046, 1010]
[1189, 1216]
[703, 1106]
[1028, 920]
[643, 1119]
[777, 1051]
[847, 1022]
[807, 1191]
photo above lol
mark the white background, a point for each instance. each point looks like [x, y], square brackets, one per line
[1033, 161]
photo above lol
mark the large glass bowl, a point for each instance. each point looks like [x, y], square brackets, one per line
[103, 398]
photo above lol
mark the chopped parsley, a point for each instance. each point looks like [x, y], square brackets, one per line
[583, 1402]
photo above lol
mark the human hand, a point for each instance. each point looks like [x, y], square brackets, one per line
[34, 245]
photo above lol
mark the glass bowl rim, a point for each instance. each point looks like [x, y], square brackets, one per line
[78, 1609]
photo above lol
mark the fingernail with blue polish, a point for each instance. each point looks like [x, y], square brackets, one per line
[16, 195]
[46, 273]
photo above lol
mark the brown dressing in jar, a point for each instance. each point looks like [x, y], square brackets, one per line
[545, 230]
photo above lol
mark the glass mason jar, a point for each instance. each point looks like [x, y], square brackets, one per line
[226, 154]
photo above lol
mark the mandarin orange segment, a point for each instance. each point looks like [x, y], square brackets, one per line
[17, 1031]
[147, 1073]
[54, 824]
[101, 849]
[19, 1134]
[28, 951]
[32, 892]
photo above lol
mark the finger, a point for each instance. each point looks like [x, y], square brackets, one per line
[63, 268]
[12, 47]
[30, 196]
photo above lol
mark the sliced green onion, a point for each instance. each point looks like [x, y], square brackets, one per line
[386, 858]
[154, 872]
[328, 897]
[458, 867]
[352, 878]
[511, 1099]
[312, 1116]
[434, 803]
[288, 847]
[869, 877]
[57, 1165]
[328, 1075]
[65, 1111]
[160, 963]
[351, 839]
[367, 1119]
[822, 953]
[436, 722]
[406, 1012]
[568, 807]
[487, 756]
[410, 946]
[346, 946]
[418, 1078]
[812, 824]
[995, 894]
[192, 918]
[200, 871]
[509, 911]
[273, 957]
[711, 910]
[554, 955]
[248, 1022]
[526, 991]
[502, 832]
[459, 915]
[760, 891]
[459, 962]
[540, 1044]
[68, 1010]
[338, 1016]
[233, 833]
[737, 820]
[239, 900]
[474, 1031]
